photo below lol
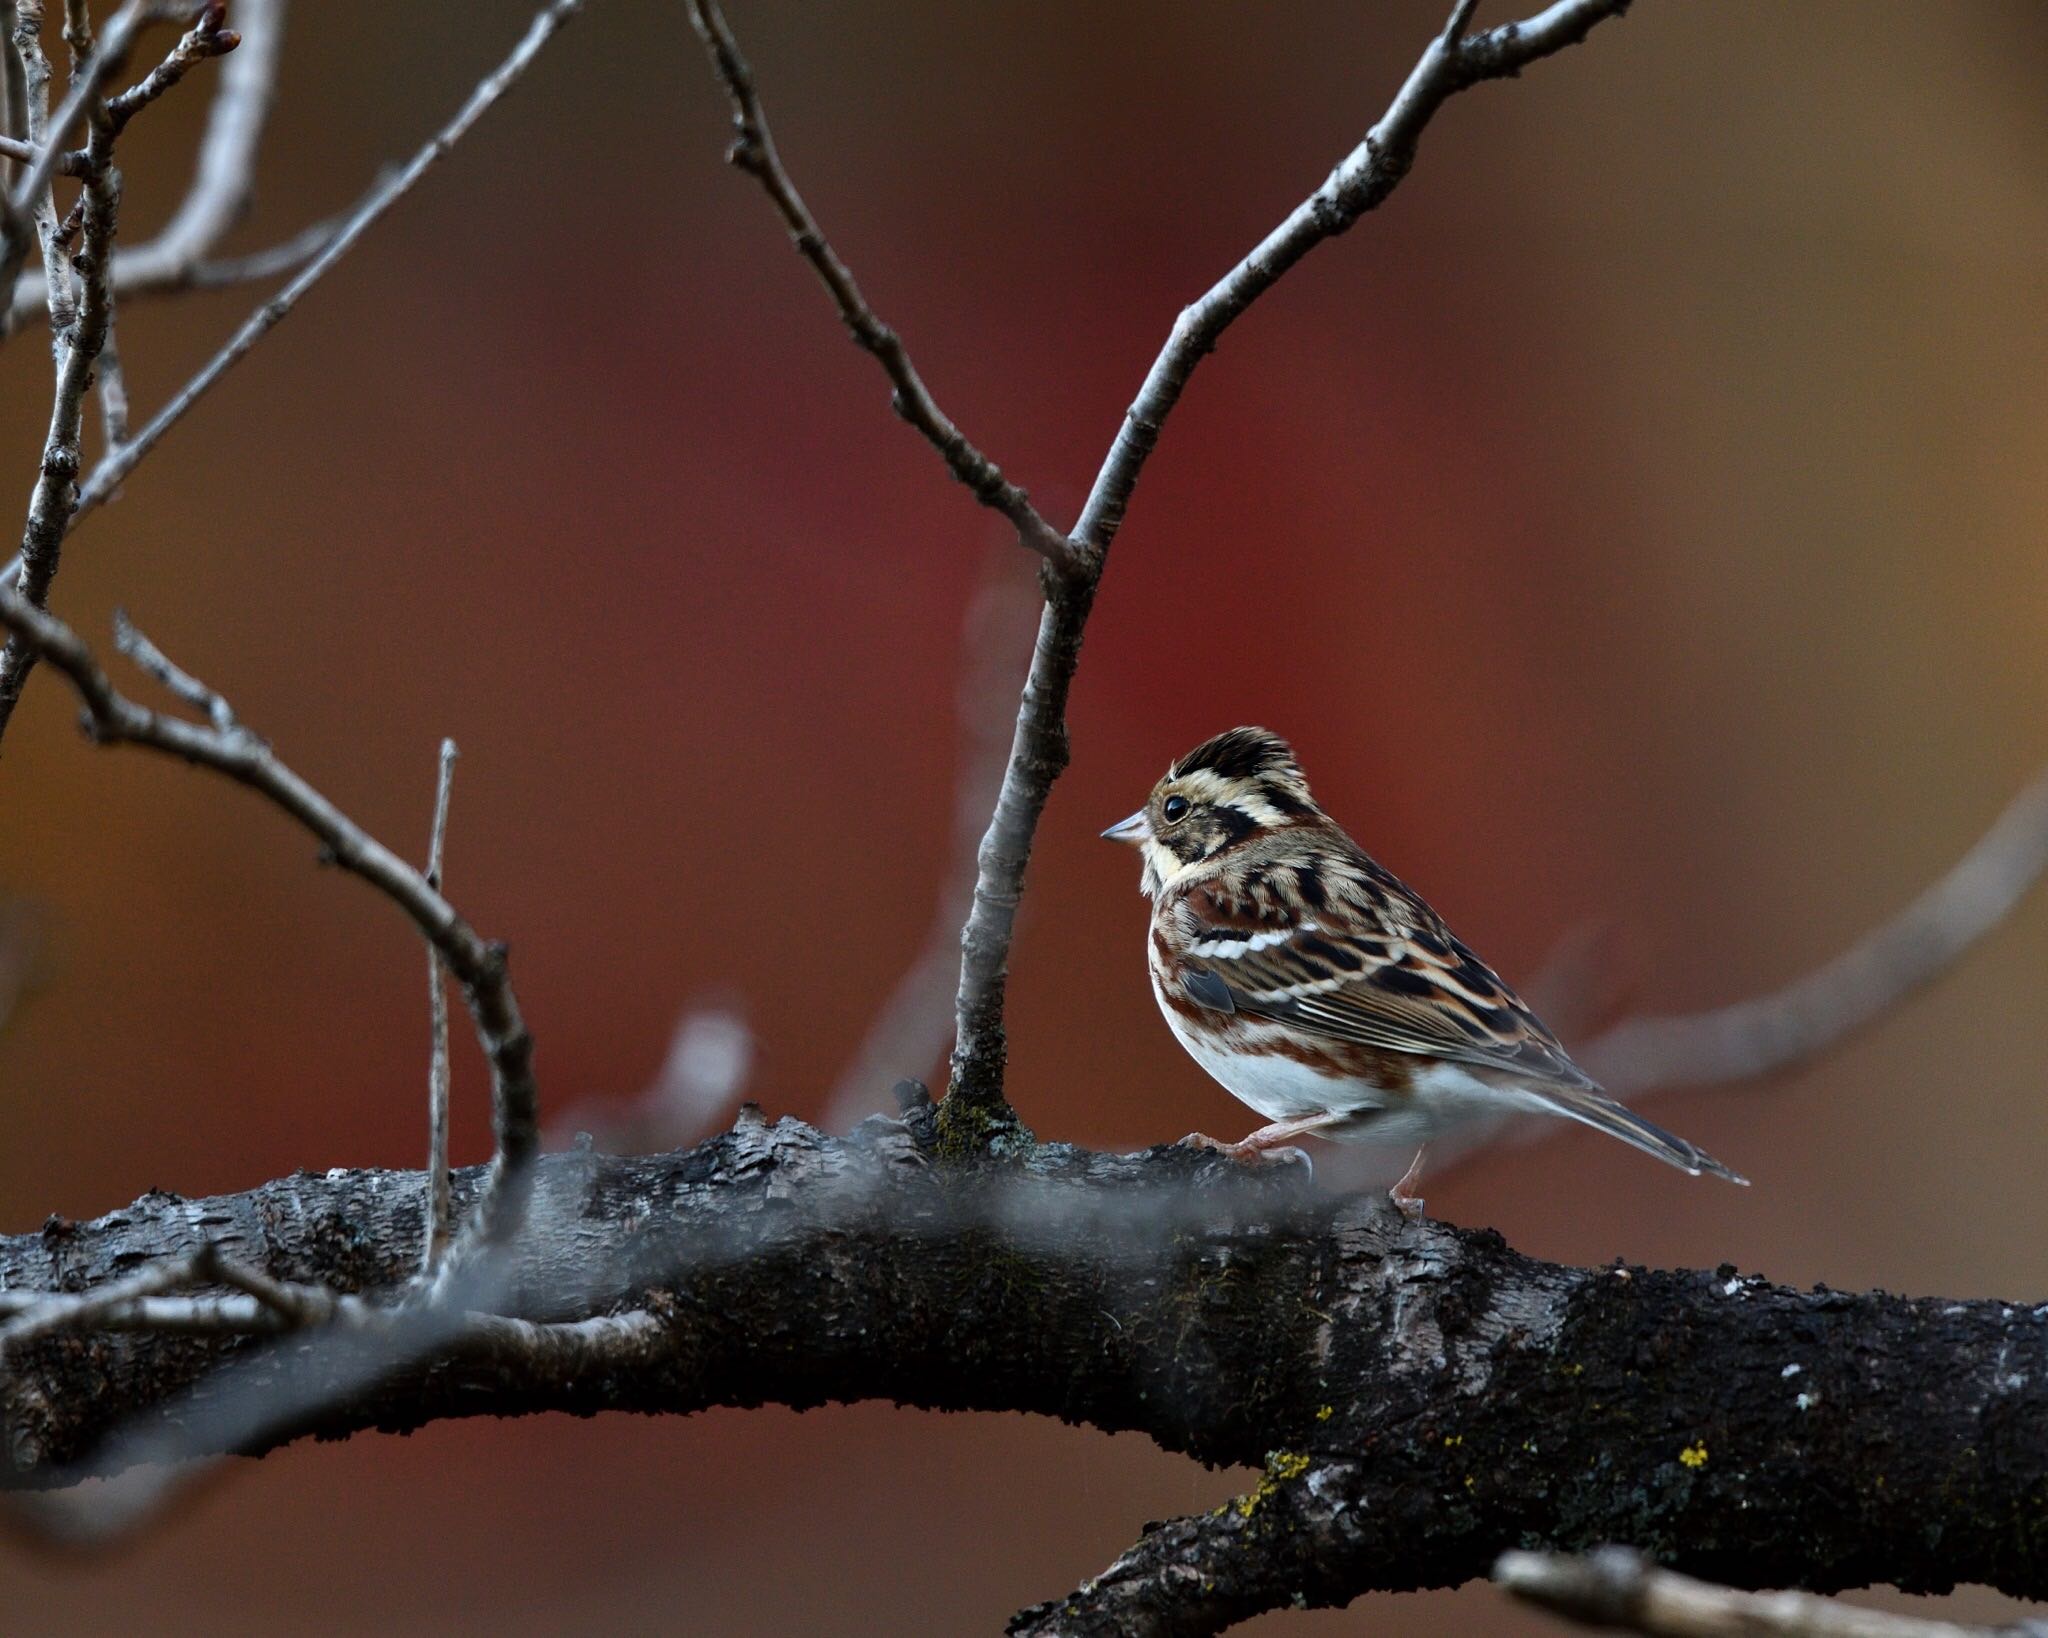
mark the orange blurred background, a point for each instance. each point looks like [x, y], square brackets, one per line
[1642, 520]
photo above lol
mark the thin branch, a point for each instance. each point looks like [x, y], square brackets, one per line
[110, 473]
[975, 1106]
[223, 180]
[1798, 1022]
[111, 389]
[21, 150]
[438, 1207]
[174, 680]
[478, 965]
[1460, 21]
[54, 500]
[217, 273]
[753, 151]
[37, 219]
[13, 101]
[1617, 1588]
[105, 61]
[204, 39]
[262, 1303]
[1807, 1017]
[43, 1313]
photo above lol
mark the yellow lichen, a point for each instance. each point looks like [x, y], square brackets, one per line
[1281, 1466]
[1694, 1455]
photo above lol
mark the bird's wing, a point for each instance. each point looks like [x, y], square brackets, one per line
[1375, 967]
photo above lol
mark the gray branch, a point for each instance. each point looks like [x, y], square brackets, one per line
[1038, 751]
[439, 1212]
[108, 476]
[1800, 1021]
[1618, 1589]
[79, 340]
[228, 748]
[224, 176]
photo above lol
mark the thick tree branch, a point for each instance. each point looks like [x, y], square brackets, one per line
[1420, 1397]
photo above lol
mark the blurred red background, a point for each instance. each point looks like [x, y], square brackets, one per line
[1639, 521]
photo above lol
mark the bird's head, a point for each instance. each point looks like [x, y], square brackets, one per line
[1221, 795]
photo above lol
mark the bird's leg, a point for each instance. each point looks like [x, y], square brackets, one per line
[1260, 1144]
[1406, 1200]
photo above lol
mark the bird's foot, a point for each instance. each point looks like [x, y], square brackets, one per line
[1406, 1201]
[1249, 1152]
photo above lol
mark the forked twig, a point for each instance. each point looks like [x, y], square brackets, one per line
[478, 964]
[118, 464]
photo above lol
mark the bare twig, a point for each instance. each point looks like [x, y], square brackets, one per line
[478, 965]
[262, 1303]
[1804, 1019]
[205, 38]
[104, 61]
[13, 101]
[41, 1313]
[1798, 1022]
[112, 390]
[24, 151]
[171, 677]
[1618, 1589]
[37, 217]
[110, 473]
[217, 273]
[438, 1208]
[223, 177]
[1038, 751]
[54, 499]
[702, 1079]
[753, 151]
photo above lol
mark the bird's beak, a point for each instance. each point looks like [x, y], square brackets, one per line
[1132, 830]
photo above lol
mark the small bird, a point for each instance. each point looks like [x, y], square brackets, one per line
[1321, 990]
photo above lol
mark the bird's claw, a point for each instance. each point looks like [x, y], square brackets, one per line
[1250, 1154]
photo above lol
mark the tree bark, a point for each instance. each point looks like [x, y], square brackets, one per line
[1420, 1396]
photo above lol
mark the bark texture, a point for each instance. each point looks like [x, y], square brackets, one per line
[1419, 1396]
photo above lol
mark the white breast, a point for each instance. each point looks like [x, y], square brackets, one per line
[1279, 1087]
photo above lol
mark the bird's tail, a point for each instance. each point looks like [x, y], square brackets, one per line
[1603, 1114]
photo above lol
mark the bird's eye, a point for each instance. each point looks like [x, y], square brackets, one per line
[1174, 810]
